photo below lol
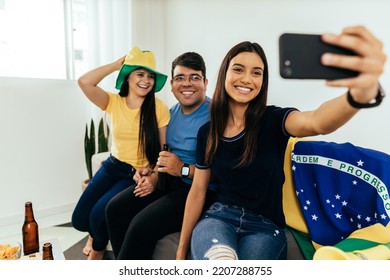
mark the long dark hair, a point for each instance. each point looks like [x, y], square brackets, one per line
[219, 110]
[149, 141]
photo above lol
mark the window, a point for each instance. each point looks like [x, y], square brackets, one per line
[80, 33]
[39, 40]
[61, 39]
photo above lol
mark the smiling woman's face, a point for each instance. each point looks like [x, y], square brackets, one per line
[244, 77]
[141, 82]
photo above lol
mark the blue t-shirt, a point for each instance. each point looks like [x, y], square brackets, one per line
[183, 129]
[257, 186]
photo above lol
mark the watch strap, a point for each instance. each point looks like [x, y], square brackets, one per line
[378, 100]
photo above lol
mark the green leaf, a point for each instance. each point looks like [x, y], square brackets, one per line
[102, 138]
[89, 147]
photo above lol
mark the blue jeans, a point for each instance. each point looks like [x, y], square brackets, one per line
[89, 215]
[231, 232]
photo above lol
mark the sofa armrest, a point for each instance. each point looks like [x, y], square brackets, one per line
[97, 160]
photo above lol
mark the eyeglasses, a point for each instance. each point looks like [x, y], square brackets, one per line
[194, 78]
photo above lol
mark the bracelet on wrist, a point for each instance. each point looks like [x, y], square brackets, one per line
[378, 100]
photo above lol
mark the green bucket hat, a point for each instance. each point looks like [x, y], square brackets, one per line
[140, 59]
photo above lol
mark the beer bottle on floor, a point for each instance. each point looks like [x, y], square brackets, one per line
[162, 183]
[30, 231]
[47, 251]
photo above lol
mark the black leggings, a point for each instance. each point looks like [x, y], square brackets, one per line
[135, 224]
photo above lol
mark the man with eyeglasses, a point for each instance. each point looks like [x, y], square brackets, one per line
[193, 78]
[135, 224]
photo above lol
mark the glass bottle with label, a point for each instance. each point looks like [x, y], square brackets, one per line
[30, 231]
[162, 183]
[47, 251]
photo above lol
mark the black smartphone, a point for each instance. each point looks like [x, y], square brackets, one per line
[299, 58]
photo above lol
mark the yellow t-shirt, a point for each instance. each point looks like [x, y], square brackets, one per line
[125, 129]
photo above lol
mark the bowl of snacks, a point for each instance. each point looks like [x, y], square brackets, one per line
[10, 251]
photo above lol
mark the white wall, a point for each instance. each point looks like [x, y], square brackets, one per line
[42, 121]
[213, 27]
[42, 125]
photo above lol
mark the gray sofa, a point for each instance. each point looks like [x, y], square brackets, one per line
[166, 247]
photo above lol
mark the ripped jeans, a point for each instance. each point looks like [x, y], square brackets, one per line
[232, 232]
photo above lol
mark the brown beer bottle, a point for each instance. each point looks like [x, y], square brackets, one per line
[47, 251]
[162, 183]
[30, 231]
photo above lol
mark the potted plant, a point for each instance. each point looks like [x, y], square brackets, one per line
[90, 145]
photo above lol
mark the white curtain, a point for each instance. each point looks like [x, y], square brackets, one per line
[109, 38]
[116, 26]
[109, 24]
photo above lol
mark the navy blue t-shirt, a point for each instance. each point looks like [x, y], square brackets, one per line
[258, 186]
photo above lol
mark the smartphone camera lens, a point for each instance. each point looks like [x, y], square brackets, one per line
[287, 71]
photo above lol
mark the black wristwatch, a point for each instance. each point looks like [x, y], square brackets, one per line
[185, 170]
[378, 99]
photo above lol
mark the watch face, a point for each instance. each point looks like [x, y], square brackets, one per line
[185, 171]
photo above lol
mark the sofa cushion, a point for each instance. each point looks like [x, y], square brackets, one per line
[166, 247]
